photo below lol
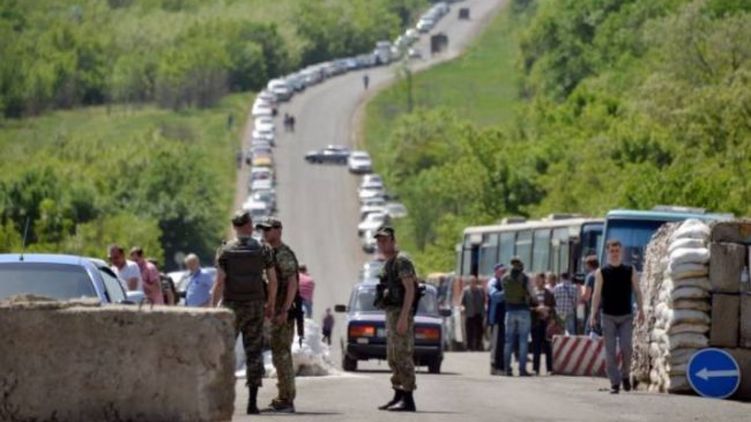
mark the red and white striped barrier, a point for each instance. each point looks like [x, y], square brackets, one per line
[579, 355]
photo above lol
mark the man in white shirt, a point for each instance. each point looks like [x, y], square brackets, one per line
[127, 271]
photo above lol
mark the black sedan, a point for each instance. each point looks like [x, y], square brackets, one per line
[366, 329]
[334, 154]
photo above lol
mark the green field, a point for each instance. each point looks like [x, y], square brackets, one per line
[481, 86]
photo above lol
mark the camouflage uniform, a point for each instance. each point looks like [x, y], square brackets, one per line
[249, 315]
[400, 348]
[282, 335]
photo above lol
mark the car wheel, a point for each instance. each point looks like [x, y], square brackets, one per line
[349, 364]
[434, 365]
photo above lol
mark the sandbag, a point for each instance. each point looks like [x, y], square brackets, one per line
[680, 356]
[689, 293]
[659, 336]
[699, 282]
[679, 384]
[654, 350]
[686, 270]
[688, 340]
[689, 316]
[696, 305]
[689, 255]
[686, 243]
[677, 369]
[688, 328]
[691, 229]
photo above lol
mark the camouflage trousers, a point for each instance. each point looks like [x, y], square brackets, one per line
[249, 321]
[281, 356]
[400, 352]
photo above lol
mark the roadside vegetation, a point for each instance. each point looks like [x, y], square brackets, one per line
[618, 103]
[114, 115]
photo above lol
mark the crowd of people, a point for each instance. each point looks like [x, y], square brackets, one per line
[527, 305]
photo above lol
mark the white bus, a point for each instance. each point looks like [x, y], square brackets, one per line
[557, 243]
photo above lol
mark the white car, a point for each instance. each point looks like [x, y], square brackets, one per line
[359, 162]
[262, 109]
[371, 178]
[265, 123]
[396, 210]
[366, 194]
[372, 209]
[258, 209]
[280, 89]
[368, 242]
[425, 25]
[264, 134]
[372, 222]
[377, 201]
[412, 35]
[261, 184]
[371, 184]
[261, 173]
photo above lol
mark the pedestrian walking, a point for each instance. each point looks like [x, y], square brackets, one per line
[519, 297]
[283, 326]
[542, 314]
[291, 123]
[615, 284]
[152, 285]
[126, 270]
[307, 287]
[239, 285]
[365, 81]
[286, 122]
[198, 290]
[396, 295]
[566, 300]
[496, 319]
[328, 326]
[473, 301]
[592, 264]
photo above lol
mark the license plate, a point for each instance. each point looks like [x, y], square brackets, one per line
[362, 340]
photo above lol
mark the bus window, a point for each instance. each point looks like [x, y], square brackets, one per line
[488, 254]
[541, 251]
[634, 236]
[590, 243]
[561, 248]
[507, 247]
[524, 247]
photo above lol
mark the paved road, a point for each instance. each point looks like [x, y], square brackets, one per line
[319, 209]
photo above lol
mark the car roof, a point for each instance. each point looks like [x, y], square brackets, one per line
[44, 258]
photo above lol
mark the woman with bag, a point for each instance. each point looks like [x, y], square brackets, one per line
[544, 325]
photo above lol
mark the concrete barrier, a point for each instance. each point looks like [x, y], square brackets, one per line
[76, 361]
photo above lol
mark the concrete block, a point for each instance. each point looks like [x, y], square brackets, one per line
[726, 311]
[737, 231]
[743, 357]
[725, 267]
[80, 362]
[745, 324]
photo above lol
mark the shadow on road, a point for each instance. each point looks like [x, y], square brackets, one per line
[298, 413]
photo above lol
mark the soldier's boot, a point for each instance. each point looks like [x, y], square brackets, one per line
[397, 398]
[406, 404]
[253, 401]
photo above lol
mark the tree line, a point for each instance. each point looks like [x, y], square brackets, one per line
[623, 103]
[177, 53]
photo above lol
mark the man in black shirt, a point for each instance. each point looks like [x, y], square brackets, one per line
[615, 284]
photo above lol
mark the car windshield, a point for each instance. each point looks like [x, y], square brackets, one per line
[362, 302]
[56, 281]
[634, 236]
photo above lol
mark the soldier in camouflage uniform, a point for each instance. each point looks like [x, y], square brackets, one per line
[239, 285]
[282, 329]
[399, 289]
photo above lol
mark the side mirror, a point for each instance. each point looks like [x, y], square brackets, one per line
[135, 296]
[341, 309]
[445, 312]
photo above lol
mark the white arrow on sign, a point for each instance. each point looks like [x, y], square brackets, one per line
[706, 374]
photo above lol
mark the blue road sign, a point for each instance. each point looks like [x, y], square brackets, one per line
[713, 373]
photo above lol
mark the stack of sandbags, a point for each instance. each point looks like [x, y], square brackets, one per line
[655, 264]
[681, 310]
